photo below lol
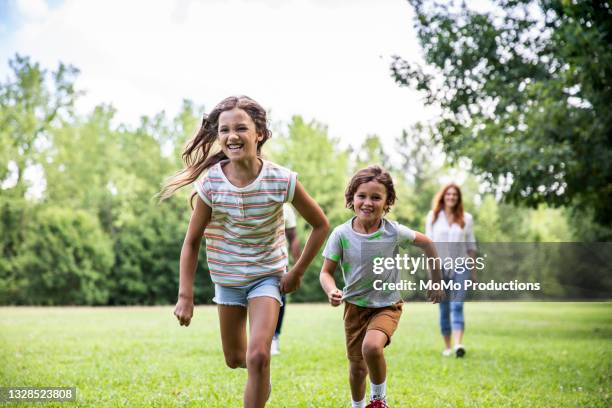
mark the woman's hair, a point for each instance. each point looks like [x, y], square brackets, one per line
[371, 173]
[437, 204]
[197, 154]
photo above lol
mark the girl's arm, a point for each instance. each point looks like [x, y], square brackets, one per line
[312, 213]
[189, 261]
[435, 275]
[328, 283]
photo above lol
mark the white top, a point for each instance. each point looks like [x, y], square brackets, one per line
[452, 241]
[245, 237]
[289, 214]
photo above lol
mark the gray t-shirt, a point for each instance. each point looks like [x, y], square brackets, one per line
[355, 253]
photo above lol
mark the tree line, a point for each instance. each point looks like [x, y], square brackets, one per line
[79, 222]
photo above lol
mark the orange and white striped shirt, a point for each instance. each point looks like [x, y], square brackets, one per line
[245, 238]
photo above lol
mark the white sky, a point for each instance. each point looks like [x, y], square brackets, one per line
[327, 60]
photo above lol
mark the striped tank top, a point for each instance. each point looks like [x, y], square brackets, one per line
[245, 238]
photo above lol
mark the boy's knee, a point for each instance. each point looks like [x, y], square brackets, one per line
[372, 350]
[258, 358]
[358, 369]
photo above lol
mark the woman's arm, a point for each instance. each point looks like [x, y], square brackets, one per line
[189, 261]
[435, 274]
[328, 283]
[471, 244]
[312, 213]
[429, 225]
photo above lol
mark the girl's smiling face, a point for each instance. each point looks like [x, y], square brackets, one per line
[451, 198]
[237, 134]
[370, 201]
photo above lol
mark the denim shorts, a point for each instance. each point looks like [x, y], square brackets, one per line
[240, 295]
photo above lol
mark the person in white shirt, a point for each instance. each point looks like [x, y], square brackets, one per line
[452, 229]
[293, 244]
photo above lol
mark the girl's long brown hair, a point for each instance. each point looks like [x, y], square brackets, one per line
[197, 152]
[437, 205]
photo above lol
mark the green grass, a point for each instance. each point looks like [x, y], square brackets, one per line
[519, 354]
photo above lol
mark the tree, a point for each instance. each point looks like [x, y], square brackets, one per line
[80, 167]
[421, 161]
[29, 106]
[370, 153]
[14, 220]
[525, 91]
[323, 171]
[65, 260]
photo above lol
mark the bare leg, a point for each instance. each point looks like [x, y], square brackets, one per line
[232, 320]
[373, 353]
[358, 371]
[263, 315]
[458, 336]
[447, 341]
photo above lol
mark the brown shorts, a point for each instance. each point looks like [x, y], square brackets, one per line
[358, 320]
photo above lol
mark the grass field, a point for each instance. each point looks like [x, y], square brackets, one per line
[519, 354]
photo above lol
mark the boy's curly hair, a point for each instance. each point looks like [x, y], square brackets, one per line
[371, 173]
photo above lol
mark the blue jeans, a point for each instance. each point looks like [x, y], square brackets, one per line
[281, 315]
[451, 309]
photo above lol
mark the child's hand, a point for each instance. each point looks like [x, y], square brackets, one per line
[436, 296]
[184, 311]
[290, 282]
[335, 297]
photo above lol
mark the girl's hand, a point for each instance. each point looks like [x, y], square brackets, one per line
[184, 311]
[189, 261]
[335, 297]
[290, 282]
[436, 296]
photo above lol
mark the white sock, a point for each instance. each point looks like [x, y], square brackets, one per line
[378, 391]
[360, 404]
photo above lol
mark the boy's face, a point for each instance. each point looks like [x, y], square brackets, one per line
[369, 201]
[237, 134]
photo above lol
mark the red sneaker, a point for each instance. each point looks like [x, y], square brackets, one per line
[377, 404]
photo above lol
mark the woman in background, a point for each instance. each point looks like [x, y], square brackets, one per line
[452, 229]
[293, 244]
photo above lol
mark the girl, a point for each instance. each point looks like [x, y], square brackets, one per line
[452, 230]
[370, 316]
[239, 210]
